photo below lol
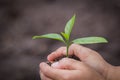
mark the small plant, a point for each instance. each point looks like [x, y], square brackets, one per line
[65, 36]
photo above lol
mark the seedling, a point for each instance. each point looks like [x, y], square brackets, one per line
[65, 36]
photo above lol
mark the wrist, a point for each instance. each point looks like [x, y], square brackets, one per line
[113, 73]
[106, 70]
[109, 72]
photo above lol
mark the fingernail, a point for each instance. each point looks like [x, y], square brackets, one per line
[55, 65]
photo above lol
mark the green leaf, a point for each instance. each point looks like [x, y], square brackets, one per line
[69, 26]
[65, 36]
[50, 36]
[90, 40]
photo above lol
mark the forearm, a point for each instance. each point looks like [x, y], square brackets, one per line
[114, 73]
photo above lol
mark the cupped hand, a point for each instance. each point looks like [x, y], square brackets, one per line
[69, 69]
[86, 55]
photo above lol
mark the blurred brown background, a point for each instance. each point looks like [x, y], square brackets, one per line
[21, 19]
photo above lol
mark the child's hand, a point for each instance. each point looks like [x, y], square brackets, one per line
[86, 55]
[70, 69]
[91, 67]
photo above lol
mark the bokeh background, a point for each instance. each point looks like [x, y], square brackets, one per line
[21, 19]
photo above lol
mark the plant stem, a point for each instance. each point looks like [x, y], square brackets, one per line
[68, 43]
[67, 50]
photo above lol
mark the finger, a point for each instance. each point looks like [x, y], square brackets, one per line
[58, 53]
[43, 77]
[73, 65]
[81, 52]
[48, 71]
[73, 50]
[90, 57]
[55, 74]
[68, 63]
[84, 53]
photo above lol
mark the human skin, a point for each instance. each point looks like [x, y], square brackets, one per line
[91, 67]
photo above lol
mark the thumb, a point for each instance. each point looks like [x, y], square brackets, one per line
[85, 54]
[67, 63]
[90, 57]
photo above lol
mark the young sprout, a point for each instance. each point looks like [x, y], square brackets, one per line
[65, 36]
